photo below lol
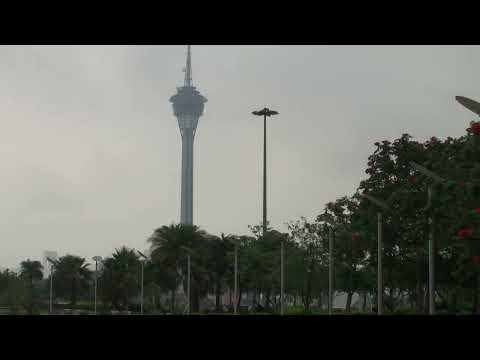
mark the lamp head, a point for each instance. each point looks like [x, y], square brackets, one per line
[469, 104]
[376, 201]
[426, 172]
[142, 255]
[265, 112]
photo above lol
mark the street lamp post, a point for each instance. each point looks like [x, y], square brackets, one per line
[265, 112]
[96, 259]
[141, 281]
[431, 258]
[380, 264]
[384, 206]
[329, 221]
[281, 276]
[52, 264]
[431, 238]
[51, 289]
[236, 279]
[330, 270]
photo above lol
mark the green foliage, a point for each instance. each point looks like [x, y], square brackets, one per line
[71, 278]
[170, 247]
[30, 272]
[120, 278]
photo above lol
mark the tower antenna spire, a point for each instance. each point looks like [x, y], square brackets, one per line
[188, 68]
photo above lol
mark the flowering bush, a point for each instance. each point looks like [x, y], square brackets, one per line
[465, 233]
[474, 128]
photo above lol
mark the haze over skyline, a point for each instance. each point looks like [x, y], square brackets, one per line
[90, 148]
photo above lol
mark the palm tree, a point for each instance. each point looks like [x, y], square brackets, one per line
[71, 277]
[126, 265]
[166, 245]
[120, 278]
[31, 271]
[161, 280]
[220, 262]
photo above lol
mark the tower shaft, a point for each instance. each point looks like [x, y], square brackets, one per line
[186, 212]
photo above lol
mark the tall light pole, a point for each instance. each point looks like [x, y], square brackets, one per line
[431, 239]
[282, 312]
[329, 221]
[52, 264]
[384, 206]
[142, 262]
[236, 279]
[330, 270]
[188, 251]
[96, 259]
[265, 112]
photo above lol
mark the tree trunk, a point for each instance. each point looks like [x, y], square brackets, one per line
[73, 298]
[217, 295]
[267, 299]
[30, 300]
[348, 306]
[195, 297]
[454, 301]
[239, 300]
[425, 300]
[308, 297]
[364, 305]
[173, 301]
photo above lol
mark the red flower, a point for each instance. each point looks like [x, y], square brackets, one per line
[476, 259]
[475, 128]
[465, 233]
[412, 179]
[477, 210]
[355, 236]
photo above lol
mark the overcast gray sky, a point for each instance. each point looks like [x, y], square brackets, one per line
[90, 149]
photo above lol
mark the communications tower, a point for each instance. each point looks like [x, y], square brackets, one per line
[188, 105]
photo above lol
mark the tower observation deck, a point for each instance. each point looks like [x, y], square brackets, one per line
[188, 106]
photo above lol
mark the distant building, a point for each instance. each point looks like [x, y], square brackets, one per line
[46, 265]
